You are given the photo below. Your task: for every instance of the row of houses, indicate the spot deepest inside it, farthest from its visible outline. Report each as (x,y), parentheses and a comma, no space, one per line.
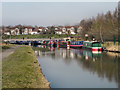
(40,30)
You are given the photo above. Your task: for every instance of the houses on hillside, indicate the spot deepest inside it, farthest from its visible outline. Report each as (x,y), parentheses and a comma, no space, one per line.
(65,30)
(6,31)
(39,30)
(27,30)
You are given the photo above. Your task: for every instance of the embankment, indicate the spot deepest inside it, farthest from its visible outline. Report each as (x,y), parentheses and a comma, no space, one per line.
(108,46)
(21,70)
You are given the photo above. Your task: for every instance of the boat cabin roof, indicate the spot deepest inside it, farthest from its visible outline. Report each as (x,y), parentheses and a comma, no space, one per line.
(92,42)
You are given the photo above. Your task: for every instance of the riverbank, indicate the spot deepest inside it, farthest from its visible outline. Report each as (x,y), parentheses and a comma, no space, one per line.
(110,47)
(4,46)
(21,70)
(8,50)
(37,36)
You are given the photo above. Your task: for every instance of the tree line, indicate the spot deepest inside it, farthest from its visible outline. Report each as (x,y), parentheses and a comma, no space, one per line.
(103,27)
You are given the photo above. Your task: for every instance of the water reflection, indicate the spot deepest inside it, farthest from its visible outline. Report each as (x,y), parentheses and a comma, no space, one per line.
(101,64)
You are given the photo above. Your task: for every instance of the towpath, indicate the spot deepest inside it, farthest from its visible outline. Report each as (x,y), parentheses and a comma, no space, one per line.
(7,52)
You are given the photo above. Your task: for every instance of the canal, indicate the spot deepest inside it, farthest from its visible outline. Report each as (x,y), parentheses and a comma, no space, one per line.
(78,68)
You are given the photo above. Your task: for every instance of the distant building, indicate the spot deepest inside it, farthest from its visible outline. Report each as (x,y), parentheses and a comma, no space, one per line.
(58,31)
(46,29)
(15,31)
(63,29)
(79,29)
(70,30)
(35,31)
(27,30)
(41,29)
(56,28)
(6,31)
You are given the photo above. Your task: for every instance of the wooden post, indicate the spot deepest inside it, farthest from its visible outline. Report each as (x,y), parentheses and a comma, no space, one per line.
(68,45)
(114,40)
(58,45)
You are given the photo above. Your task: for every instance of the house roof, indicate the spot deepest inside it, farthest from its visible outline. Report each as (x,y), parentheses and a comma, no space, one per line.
(41,27)
(36,30)
(68,26)
(29,27)
(58,30)
(61,26)
(6,29)
(13,27)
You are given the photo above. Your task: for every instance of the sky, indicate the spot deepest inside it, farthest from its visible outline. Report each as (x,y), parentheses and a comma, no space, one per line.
(59,0)
(52,13)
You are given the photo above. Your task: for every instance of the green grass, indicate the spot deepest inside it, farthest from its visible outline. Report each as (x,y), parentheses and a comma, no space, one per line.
(21,70)
(5,47)
(36,36)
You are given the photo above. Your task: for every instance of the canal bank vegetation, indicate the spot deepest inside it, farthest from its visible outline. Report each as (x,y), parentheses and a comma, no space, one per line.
(36,36)
(104,27)
(21,70)
(4,46)
(111,46)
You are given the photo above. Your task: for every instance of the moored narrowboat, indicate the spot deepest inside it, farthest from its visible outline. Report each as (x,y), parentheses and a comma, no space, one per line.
(76,44)
(52,43)
(43,42)
(46,42)
(62,44)
(93,45)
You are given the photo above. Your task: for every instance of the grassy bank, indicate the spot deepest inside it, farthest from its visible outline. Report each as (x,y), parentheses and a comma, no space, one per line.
(5,47)
(36,36)
(21,70)
(110,46)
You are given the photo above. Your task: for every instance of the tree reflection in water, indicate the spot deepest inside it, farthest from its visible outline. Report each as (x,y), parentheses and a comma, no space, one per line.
(104,65)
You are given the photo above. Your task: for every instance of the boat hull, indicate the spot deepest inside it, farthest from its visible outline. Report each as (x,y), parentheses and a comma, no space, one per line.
(62,44)
(95,47)
(76,44)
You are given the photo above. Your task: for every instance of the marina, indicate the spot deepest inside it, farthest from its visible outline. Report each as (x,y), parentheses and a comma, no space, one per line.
(62,43)
(66,45)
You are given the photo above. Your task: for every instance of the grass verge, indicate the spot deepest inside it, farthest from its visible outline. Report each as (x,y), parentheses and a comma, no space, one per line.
(110,46)
(4,46)
(21,70)
(37,36)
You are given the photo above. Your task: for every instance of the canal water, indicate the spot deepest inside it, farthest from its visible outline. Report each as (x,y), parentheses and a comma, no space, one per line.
(78,68)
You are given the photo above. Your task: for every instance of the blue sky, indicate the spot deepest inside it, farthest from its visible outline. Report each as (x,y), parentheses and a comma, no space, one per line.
(52,13)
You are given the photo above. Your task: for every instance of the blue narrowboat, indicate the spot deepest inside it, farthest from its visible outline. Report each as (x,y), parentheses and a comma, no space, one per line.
(76,44)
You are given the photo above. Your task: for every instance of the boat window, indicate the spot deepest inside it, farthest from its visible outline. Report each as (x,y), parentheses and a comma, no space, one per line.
(96,45)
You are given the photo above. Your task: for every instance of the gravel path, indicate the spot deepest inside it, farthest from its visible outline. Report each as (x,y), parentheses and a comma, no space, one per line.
(7,52)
